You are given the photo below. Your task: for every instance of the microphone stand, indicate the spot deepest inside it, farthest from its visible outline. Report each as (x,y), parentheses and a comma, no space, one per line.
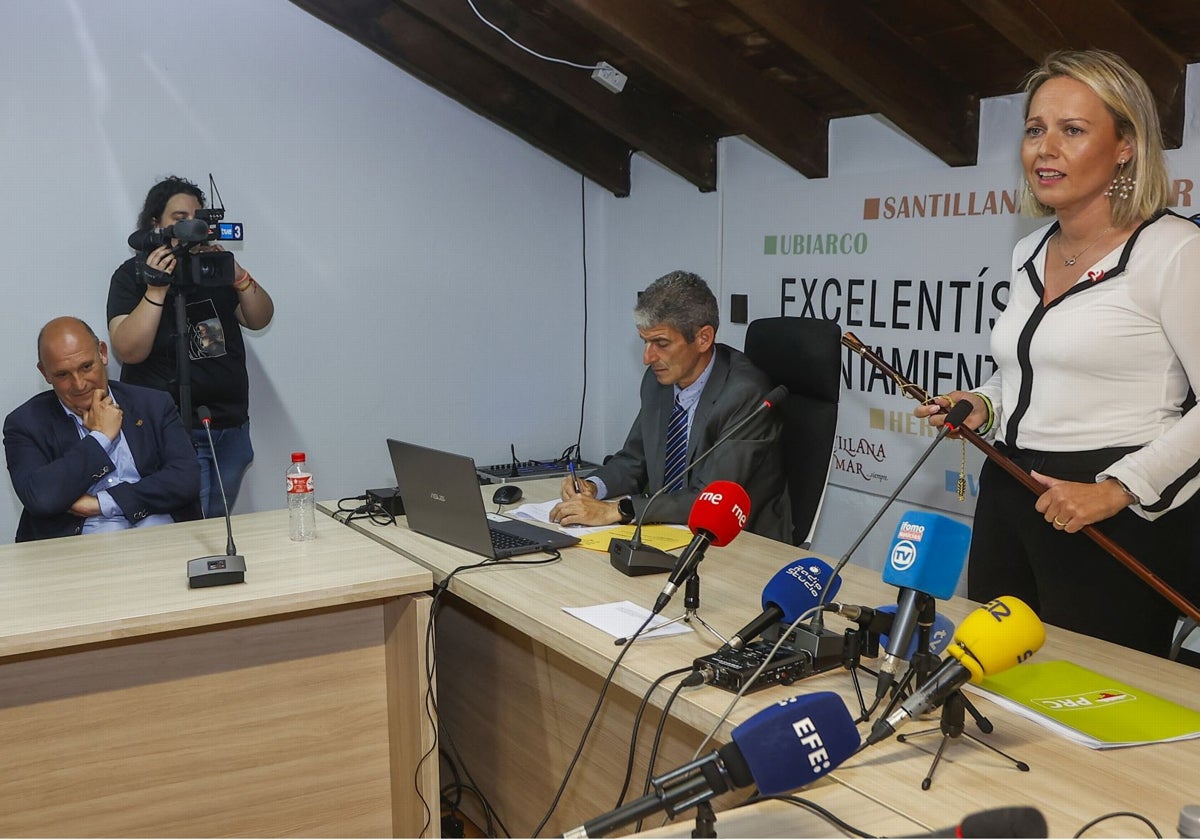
(952,722)
(1101,539)
(951,725)
(217,569)
(691,610)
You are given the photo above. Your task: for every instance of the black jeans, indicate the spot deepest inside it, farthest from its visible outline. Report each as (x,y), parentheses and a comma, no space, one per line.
(1067,579)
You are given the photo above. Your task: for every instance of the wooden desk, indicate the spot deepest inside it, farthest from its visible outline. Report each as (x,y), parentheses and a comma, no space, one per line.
(518,679)
(291,704)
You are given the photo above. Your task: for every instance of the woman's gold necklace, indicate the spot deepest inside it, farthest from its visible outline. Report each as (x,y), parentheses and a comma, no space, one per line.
(1071,260)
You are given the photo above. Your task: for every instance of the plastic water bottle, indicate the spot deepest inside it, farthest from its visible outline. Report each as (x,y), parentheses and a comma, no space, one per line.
(302,504)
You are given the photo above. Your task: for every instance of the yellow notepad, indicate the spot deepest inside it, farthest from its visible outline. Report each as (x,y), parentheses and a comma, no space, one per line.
(664,537)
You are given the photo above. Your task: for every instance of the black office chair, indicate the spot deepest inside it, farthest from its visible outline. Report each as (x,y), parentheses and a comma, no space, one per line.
(803,354)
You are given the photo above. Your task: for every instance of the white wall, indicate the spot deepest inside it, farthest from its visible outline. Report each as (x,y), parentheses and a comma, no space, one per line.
(425,264)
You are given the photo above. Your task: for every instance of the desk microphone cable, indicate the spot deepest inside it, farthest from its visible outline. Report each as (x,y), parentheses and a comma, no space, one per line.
(588,726)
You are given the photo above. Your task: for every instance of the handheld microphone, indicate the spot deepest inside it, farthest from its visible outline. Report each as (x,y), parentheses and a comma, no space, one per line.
(790,593)
(718,515)
(632,558)
(926,560)
(781,748)
(217,569)
(1018,821)
(1000,634)
(954,419)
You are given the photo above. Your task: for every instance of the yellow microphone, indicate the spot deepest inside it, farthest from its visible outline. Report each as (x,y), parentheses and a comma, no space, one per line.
(1002,633)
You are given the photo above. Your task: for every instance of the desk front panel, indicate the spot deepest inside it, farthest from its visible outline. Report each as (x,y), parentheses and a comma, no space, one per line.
(291,704)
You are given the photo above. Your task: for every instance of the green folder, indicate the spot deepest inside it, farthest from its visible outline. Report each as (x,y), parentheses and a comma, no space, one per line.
(1091,708)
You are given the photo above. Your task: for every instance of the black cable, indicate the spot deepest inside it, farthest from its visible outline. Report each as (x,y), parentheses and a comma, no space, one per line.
(658,732)
(583,240)
(372,511)
(439,589)
(588,727)
(637,722)
(1104,817)
(809,805)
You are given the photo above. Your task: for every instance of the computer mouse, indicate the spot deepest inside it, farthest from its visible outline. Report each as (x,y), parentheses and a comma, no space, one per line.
(507,494)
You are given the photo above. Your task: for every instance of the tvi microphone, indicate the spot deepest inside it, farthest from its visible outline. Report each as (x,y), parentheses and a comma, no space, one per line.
(926,560)
(783,747)
(1000,634)
(954,419)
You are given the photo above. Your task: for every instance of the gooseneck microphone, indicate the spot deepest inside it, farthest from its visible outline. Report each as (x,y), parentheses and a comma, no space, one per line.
(794,590)
(954,418)
(217,569)
(718,515)
(779,749)
(926,560)
(1000,634)
(632,558)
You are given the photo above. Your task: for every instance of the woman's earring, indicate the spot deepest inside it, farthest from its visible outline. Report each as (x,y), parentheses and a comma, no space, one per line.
(1122,185)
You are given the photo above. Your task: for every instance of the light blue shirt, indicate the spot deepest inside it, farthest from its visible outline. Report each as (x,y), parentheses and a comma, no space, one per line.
(111,517)
(689,398)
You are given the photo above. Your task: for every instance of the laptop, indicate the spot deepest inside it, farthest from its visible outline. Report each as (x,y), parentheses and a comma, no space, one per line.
(442,500)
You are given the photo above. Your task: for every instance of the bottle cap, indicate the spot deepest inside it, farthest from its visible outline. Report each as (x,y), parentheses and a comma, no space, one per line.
(1189,821)
(298,456)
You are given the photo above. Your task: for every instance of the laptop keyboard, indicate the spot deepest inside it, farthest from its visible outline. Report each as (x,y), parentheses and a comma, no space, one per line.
(503,540)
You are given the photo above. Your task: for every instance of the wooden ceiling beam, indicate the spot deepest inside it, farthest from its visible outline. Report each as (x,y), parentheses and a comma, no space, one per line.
(633,116)
(682,54)
(452,67)
(1037,28)
(855,51)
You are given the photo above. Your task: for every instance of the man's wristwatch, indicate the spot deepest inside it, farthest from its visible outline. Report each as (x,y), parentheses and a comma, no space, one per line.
(625,509)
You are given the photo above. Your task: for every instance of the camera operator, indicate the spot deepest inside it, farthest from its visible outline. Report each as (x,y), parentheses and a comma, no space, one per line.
(141,326)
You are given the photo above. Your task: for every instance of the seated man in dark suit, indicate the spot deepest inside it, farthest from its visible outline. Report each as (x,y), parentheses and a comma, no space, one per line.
(93,455)
(708,387)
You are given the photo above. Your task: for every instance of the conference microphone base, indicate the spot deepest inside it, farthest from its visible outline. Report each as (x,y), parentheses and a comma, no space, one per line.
(216,570)
(636,560)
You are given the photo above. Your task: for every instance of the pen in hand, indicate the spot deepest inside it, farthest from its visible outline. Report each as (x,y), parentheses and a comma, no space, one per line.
(574,477)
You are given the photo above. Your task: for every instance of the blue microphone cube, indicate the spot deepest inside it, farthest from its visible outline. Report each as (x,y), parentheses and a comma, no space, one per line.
(928,554)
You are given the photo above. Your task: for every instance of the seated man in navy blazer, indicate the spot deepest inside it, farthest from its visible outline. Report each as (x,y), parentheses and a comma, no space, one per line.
(93,455)
(693,391)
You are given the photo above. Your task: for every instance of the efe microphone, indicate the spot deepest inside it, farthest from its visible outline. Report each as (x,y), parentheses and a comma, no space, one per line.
(781,748)
(718,515)
(926,560)
(1000,634)
(217,569)
(632,558)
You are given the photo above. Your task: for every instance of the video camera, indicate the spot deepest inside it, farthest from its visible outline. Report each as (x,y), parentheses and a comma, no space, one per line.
(206,268)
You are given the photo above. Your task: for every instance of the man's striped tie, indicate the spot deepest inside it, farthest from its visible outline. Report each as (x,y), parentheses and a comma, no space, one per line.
(677,444)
